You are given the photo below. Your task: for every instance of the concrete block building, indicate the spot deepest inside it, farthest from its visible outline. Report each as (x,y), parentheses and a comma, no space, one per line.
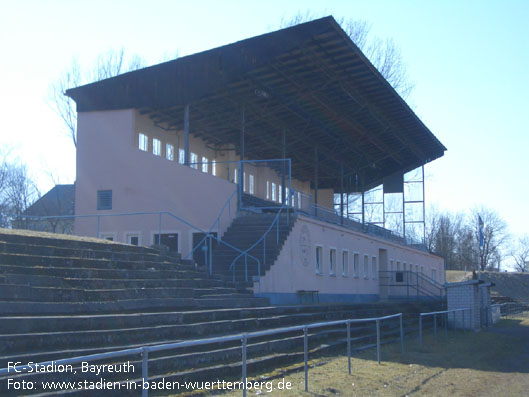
(244,158)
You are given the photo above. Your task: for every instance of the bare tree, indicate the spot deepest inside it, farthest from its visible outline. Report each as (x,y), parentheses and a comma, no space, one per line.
(385,55)
(107,65)
(495,237)
(520,254)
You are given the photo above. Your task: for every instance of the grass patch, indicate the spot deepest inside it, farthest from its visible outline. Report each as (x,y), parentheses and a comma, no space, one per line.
(494,362)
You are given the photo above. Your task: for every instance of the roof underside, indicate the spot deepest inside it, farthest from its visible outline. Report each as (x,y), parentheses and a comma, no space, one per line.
(308,82)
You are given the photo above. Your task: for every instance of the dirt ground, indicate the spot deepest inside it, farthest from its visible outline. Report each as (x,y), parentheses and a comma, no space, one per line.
(494,362)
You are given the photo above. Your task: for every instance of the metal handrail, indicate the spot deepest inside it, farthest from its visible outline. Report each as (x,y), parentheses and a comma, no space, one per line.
(159,213)
(435,314)
(227,204)
(265,234)
(145,350)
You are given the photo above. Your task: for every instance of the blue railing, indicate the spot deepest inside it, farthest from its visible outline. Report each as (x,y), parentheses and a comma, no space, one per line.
(275,222)
(151,213)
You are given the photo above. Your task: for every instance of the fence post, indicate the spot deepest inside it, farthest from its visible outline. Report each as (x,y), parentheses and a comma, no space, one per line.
(401,334)
(378,341)
(306,356)
(144,372)
(420,330)
(435,328)
(246,267)
(244,339)
(211,255)
(160,228)
(349,346)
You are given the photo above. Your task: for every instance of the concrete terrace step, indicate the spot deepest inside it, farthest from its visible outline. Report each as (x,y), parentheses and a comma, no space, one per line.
(51,294)
(145,254)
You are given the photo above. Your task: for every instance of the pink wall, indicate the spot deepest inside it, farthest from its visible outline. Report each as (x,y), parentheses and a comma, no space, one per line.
(108,158)
(295,268)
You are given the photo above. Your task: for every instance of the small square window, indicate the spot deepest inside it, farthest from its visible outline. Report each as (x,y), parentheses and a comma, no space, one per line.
(156,147)
(104,199)
(169,152)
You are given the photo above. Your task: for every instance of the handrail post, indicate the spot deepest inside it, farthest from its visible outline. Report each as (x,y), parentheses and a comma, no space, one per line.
(401,334)
(160,228)
(435,328)
(246,267)
(145,372)
(306,356)
(210,256)
(378,341)
(420,330)
(244,340)
(349,346)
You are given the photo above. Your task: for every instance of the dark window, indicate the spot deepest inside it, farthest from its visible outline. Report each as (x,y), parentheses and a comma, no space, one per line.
(134,240)
(104,199)
(170,240)
(399,277)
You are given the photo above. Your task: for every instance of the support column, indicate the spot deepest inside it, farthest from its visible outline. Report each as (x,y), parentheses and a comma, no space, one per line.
(283,165)
(341,193)
(186,135)
(316,179)
(241,163)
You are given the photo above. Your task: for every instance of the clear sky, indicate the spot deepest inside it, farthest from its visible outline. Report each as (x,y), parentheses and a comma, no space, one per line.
(469,61)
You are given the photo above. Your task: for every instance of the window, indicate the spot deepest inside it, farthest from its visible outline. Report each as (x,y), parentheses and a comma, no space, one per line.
(434,275)
(244,184)
(345,263)
(214,168)
(104,199)
(279,193)
(273,191)
(267,190)
(143,142)
(156,147)
(204,164)
(374,267)
(251,184)
(299,199)
(366,266)
(398,266)
(319,257)
(169,151)
(391,265)
(194,161)
(181,156)
(332,261)
(133,239)
(356,264)
(404,266)
(235,175)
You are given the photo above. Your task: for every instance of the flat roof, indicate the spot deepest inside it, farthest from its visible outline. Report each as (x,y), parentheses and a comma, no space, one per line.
(309,82)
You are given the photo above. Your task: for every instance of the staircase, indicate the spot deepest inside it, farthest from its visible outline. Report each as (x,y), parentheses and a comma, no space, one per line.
(65,298)
(244,232)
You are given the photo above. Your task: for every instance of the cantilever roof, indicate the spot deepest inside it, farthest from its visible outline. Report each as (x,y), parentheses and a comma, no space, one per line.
(309,81)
